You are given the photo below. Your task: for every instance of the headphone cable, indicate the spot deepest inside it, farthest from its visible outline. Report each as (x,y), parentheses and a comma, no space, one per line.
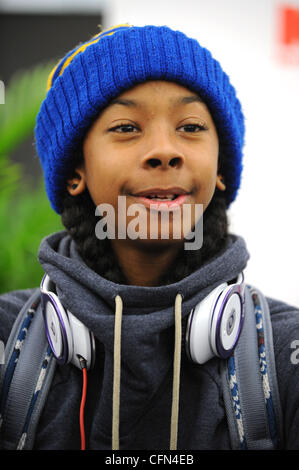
(83,400)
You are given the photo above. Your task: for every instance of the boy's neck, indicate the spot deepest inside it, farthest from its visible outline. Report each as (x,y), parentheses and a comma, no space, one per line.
(141,266)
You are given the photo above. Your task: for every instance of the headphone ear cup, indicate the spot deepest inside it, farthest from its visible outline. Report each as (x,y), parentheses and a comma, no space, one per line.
(68,337)
(199,346)
(227,321)
(57,327)
(215,324)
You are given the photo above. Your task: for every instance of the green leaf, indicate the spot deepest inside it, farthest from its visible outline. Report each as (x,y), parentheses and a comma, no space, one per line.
(26,216)
(23,97)
(25,219)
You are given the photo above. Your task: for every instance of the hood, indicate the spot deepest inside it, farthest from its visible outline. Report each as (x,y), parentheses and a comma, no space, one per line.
(141,326)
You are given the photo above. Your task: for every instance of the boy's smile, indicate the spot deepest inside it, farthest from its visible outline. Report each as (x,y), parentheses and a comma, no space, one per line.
(155,143)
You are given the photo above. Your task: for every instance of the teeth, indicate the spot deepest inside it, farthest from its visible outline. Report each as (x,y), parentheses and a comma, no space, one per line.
(168,197)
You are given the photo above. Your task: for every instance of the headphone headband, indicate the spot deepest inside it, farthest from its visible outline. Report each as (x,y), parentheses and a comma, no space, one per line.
(213,329)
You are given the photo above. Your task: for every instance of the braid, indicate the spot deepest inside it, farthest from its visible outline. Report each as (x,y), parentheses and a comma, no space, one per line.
(78,217)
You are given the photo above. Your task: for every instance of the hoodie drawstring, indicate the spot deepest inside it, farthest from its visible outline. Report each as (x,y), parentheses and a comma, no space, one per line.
(176,372)
(116,372)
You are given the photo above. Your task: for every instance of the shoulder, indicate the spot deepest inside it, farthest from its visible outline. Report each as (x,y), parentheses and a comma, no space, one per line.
(277,307)
(285,323)
(285,326)
(10,305)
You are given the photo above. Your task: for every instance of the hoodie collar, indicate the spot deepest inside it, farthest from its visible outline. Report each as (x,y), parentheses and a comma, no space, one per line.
(61,261)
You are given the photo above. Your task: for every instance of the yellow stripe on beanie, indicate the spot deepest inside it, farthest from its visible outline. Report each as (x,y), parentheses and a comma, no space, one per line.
(82,48)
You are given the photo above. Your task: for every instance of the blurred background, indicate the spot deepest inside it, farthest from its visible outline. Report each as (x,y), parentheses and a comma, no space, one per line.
(257,44)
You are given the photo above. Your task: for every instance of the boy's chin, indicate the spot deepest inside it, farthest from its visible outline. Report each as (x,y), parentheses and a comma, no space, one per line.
(156,245)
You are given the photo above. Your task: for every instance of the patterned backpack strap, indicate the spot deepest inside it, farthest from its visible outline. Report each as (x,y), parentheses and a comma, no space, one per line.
(25,377)
(250,388)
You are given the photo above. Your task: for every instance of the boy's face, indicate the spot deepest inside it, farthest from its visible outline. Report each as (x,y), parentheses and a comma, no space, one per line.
(157,138)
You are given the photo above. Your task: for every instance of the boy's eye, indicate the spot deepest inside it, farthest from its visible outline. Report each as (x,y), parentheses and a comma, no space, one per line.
(129,128)
(123,128)
(193,128)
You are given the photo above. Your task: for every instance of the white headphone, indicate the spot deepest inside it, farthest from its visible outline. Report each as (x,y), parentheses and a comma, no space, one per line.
(213,327)
(215,324)
(68,338)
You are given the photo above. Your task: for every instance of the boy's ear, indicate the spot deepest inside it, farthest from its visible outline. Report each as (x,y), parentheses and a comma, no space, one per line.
(220,183)
(77,184)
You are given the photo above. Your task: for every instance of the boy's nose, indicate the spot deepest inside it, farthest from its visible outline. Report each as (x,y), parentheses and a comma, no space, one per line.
(164,155)
(163,161)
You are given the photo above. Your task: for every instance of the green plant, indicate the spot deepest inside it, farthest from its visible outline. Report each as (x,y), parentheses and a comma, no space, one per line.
(25,213)
(23,96)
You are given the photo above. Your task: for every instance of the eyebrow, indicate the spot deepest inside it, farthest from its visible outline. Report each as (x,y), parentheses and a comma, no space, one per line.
(136,104)
(124,102)
(190,99)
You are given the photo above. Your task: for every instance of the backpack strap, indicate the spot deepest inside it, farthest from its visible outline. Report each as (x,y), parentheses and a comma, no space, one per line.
(25,377)
(250,388)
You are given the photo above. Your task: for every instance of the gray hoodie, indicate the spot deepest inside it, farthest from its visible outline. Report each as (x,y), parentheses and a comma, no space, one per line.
(147,355)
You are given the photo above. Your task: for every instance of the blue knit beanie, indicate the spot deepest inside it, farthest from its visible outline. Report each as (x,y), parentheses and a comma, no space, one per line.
(94,72)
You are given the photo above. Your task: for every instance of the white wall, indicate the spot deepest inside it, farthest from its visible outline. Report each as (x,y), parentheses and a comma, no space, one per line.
(57,6)
(242,35)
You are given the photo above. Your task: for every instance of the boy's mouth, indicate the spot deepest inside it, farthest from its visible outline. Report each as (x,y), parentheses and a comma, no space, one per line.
(159,193)
(171,197)
(159,197)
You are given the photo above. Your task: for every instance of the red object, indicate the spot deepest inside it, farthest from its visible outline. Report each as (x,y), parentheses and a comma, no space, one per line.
(82,407)
(289,22)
